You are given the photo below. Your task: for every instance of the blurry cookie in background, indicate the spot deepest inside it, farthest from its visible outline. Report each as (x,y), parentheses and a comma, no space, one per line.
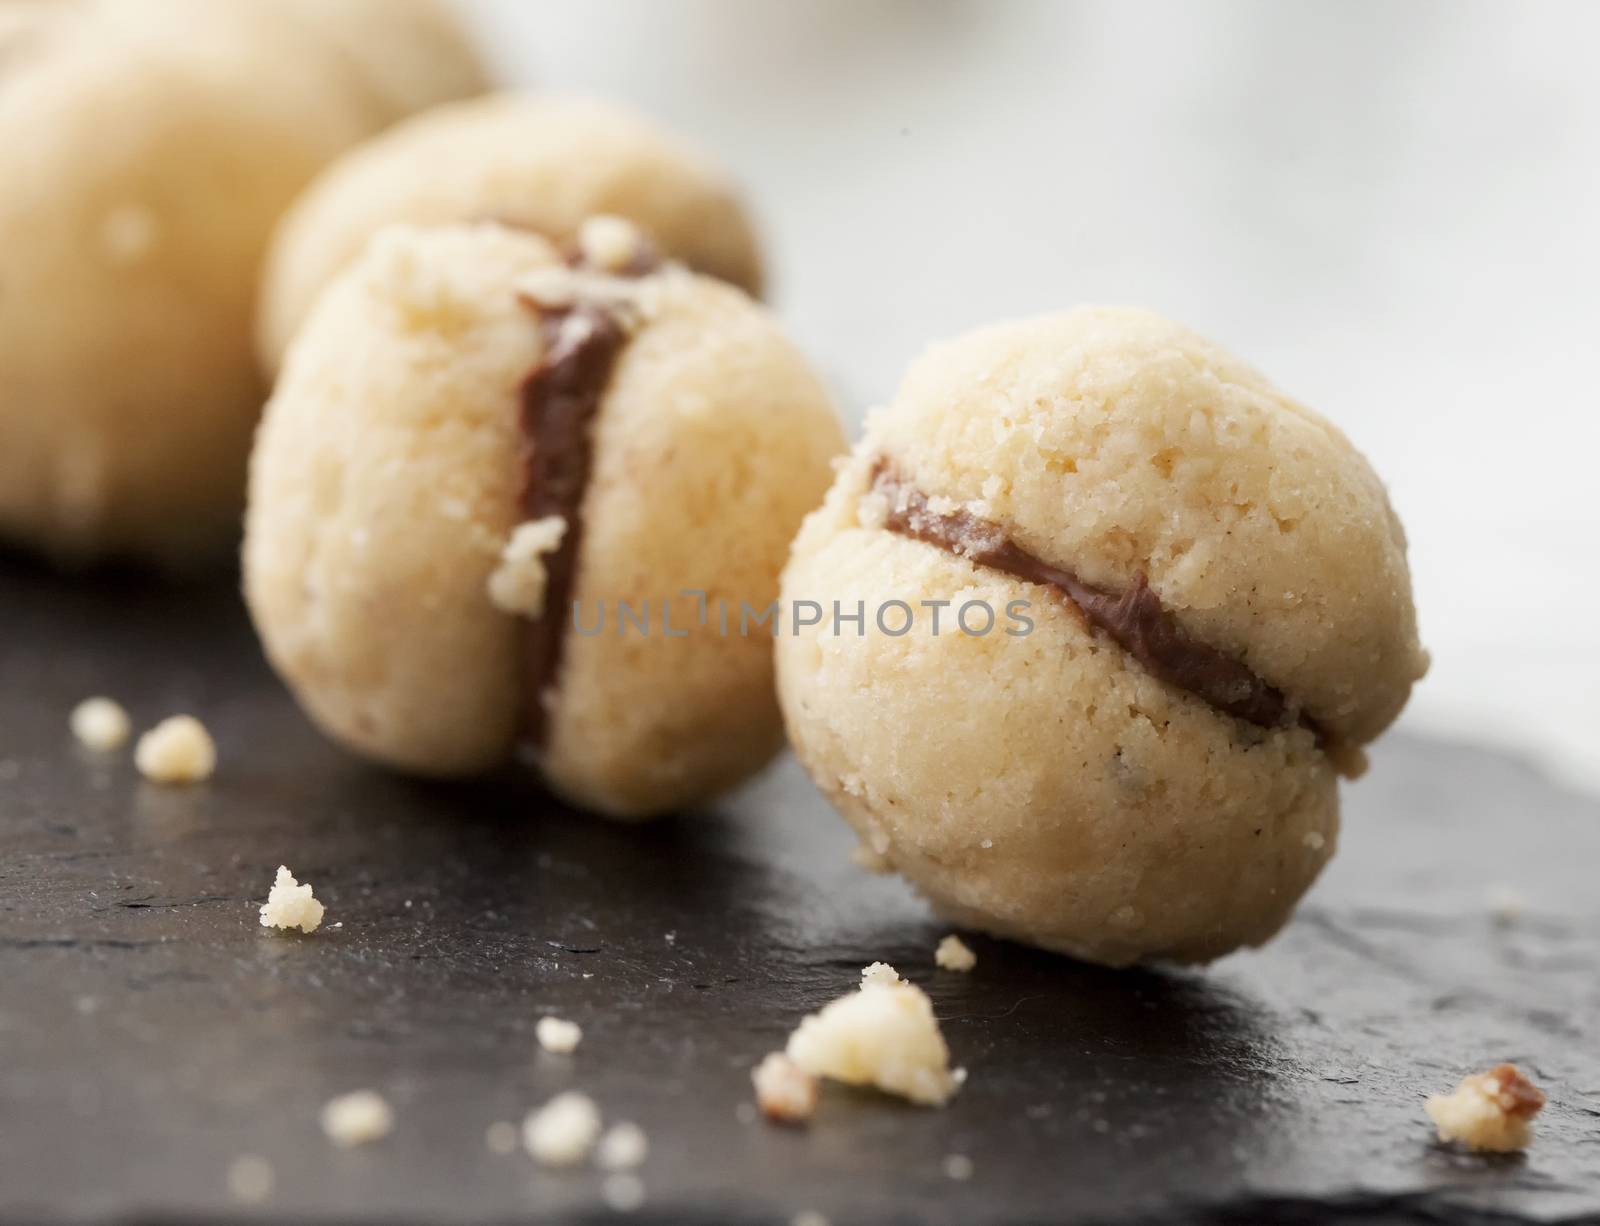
(545,164)
(470,437)
(147,148)
(404,56)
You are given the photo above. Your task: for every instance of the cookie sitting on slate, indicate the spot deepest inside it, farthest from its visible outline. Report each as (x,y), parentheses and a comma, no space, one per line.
(1176,605)
(506,496)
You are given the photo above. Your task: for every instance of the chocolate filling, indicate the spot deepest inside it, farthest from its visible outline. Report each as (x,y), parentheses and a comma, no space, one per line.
(1136,619)
(560,399)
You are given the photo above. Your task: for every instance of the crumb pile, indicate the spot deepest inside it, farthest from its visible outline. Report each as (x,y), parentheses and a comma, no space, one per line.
(291,904)
(884,1035)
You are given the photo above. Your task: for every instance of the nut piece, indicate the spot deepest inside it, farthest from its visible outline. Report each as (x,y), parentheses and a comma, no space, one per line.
(563,1131)
(290,904)
(356,1118)
(1490,1111)
(101,724)
(624,1147)
(784,1091)
(557,1036)
(883,1035)
(954,955)
(177,750)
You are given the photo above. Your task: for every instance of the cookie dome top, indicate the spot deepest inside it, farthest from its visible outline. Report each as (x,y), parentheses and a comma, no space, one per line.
(546,164)
(1116,444)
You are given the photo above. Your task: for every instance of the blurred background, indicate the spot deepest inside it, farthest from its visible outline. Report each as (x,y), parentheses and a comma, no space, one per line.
(1392,209)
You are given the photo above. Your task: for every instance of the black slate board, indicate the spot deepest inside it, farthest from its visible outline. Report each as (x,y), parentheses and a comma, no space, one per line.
(150,1030)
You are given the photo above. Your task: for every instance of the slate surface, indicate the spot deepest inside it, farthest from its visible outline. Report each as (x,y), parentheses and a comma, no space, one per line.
(151,1031)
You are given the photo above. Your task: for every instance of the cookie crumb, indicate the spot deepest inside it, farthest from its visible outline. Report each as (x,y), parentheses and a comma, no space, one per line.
(623,1192)
(290,904)
(557,1036)
(250,1179)
(785,1092)
(357,1118)
(954,955)
(1490,1112)
(624,1147)
(1314,840)
(177,750)
(957,1166)
(517,585)
(501,1137)
(100,724)
(883,1035)
(563,1131)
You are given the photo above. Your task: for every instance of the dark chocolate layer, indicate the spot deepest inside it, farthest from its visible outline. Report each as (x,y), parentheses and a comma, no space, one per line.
(1135,619)
(559,401)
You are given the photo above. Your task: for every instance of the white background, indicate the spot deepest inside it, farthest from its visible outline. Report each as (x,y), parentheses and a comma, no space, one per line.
(1393,208)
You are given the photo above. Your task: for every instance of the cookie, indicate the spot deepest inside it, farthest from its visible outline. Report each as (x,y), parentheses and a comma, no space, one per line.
(143,174)
(1176,606)
(483,474)
(402,56)
(543,163)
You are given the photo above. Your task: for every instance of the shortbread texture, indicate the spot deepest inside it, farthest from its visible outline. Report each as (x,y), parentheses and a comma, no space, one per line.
(1491,1112)
(385,489)
(291,904)
(1044,786)
(545,163)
